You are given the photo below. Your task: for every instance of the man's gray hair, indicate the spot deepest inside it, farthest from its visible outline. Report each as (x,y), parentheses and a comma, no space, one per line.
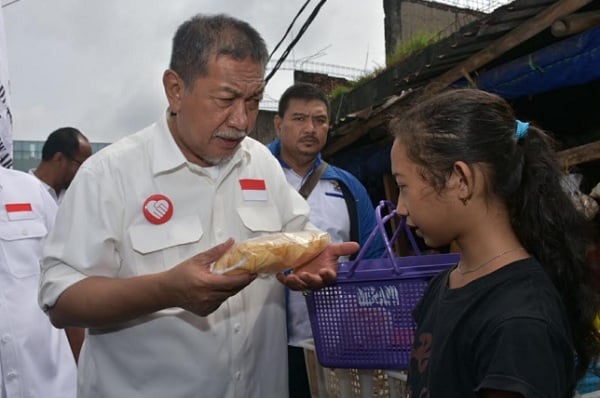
(205,36)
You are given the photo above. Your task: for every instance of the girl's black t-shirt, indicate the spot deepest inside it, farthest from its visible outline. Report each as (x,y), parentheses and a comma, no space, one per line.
(505,331)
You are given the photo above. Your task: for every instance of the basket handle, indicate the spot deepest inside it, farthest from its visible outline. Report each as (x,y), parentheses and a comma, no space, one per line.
(380,229)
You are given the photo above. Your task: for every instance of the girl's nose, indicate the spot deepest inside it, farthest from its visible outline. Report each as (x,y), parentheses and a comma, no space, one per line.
(401,208)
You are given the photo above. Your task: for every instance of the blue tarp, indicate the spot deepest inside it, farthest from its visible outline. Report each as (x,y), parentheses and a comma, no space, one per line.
(570,62)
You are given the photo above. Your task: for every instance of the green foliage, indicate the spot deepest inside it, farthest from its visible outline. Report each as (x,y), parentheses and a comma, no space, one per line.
(416,43)
(338,91)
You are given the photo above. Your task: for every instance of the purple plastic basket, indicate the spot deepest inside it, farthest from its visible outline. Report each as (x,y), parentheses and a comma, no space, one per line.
(364,320)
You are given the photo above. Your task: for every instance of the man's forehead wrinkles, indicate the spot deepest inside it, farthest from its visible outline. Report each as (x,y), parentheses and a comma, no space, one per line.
(239,92)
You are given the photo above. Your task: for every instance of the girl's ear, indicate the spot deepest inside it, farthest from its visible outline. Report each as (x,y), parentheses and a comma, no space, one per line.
(463,180)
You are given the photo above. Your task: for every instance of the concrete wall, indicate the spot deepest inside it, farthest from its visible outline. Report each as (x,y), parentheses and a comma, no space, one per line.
(405,19)
(325,82)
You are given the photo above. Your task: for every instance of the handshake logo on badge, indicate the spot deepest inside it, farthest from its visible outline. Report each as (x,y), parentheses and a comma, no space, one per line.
(158,209)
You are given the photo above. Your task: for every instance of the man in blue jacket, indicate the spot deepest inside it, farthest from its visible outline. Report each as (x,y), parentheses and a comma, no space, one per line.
(339,203)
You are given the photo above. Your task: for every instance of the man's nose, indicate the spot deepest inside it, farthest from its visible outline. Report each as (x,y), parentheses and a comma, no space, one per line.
(238,118)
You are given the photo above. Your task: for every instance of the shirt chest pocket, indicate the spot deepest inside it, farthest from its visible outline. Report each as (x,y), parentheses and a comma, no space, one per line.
(260,220)
(170,242)
(23,240)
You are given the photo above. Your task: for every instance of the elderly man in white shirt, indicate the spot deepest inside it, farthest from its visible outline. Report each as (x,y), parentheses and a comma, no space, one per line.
(35,357)
(147,216)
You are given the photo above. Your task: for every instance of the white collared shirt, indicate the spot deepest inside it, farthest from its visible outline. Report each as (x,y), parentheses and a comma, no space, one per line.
(35,358)
(329,213)
(57,198)
(237,351)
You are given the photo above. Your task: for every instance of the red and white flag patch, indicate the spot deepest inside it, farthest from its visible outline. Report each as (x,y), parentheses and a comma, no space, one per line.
(253,189)
(19,211)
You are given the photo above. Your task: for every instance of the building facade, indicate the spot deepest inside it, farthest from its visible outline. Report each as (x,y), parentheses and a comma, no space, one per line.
(27,154)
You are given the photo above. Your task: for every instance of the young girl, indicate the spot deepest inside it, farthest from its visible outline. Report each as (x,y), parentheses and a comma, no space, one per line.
(514,318)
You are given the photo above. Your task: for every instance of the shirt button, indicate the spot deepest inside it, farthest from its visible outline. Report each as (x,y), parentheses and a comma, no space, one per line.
(24,232)
(236,328)
(238,375)
(11,376)
(5,338)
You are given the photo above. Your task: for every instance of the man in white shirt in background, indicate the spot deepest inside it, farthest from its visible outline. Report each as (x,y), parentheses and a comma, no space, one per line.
(35,358)
(339,203)
(63,152)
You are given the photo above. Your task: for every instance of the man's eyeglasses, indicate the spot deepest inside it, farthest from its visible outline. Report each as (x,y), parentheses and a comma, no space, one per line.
(76,161)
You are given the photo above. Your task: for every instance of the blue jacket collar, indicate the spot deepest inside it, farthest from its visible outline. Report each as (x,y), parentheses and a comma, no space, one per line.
(275,148)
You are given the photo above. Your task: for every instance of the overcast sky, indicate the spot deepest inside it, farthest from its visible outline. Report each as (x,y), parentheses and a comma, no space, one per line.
(97,64)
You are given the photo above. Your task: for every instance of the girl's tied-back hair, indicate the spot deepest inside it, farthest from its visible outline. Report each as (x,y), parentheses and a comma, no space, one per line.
(522,170)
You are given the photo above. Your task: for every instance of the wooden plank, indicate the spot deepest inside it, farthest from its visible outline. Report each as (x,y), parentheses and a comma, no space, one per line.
(497,28)
(576,23)
(580,154)
(512,14)
(352,131)
(520,5)
(527,30)
(357,130)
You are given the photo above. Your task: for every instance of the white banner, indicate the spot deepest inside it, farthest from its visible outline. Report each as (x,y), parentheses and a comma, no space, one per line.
(6,142)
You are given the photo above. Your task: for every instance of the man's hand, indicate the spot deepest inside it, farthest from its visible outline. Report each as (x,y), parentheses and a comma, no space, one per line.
(200,291)
(102,302)
(320,271)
